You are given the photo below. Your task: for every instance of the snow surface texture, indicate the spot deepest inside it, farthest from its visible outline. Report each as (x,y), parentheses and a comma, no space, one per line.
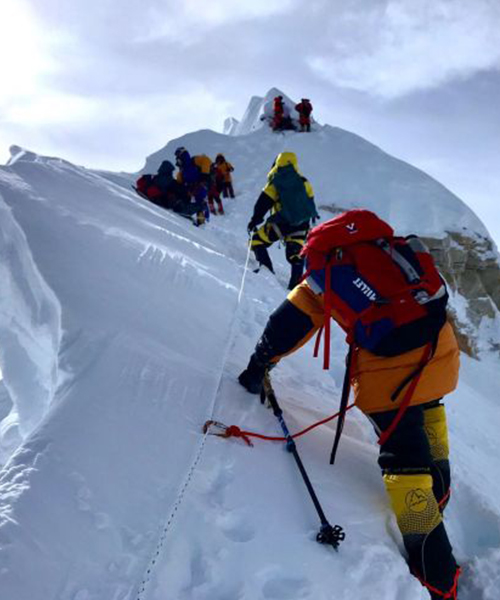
(116,494)
(29,333)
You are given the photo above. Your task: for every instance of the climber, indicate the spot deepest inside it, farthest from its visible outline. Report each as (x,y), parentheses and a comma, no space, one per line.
(290,199)
(388,297)
(223,178)
(304,108)
(214,192)
(195,181)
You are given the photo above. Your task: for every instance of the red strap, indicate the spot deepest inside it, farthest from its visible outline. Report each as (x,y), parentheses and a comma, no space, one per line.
(328,315)
(451,594)
(235,431)
(385,435)
(317,342)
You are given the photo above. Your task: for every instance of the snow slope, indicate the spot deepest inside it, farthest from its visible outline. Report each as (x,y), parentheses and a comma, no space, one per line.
(135,339)
(346,172)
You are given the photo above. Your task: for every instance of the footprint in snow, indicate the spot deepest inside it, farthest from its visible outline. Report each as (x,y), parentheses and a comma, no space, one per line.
(476,537)
(236,527)
(479,524)
(292,588)
(216,484)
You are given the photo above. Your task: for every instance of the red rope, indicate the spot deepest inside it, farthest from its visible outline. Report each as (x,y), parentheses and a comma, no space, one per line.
(451,594)
(235,431)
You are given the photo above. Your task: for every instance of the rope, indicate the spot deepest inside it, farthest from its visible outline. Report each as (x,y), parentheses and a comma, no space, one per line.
(245,269)
(180,497)
(234,431)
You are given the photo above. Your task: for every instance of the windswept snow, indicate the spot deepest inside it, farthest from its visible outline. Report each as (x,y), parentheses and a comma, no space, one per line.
(29,334)
(116,494)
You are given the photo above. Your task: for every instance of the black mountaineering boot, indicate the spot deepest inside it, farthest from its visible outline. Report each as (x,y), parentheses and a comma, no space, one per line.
(251,378)
(263,258)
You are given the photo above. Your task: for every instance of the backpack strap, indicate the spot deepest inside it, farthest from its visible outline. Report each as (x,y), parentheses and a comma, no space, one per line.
(328,314)
(346,388)
(409,271)
(413,380)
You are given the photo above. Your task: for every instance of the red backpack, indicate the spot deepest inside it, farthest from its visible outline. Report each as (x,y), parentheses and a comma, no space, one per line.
(147,188)
(386,289)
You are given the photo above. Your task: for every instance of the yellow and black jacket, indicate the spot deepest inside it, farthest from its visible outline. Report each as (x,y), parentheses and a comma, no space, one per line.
(269,199)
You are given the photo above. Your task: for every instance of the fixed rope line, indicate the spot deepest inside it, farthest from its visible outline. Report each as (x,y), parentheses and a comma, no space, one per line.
(245,269)
(180,497)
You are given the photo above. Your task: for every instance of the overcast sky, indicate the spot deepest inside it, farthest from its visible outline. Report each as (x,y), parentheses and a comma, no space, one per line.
(104,83)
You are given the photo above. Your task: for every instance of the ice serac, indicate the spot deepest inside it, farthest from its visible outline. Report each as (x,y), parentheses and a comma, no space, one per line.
(230,125)
(259,111)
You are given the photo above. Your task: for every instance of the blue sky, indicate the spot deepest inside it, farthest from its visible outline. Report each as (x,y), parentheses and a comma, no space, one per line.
(104,83)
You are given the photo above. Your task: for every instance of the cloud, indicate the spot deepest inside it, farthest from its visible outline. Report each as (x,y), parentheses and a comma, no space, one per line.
(394,47)
(185,22)
(113,132)
(24,56)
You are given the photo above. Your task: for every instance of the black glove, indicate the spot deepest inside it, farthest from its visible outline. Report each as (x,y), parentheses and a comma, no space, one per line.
(252,224)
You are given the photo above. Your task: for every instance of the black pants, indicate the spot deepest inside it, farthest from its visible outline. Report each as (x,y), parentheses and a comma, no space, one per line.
(294,238)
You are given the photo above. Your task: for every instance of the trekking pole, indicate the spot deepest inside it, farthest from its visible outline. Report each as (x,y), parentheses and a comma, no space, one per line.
(327,534)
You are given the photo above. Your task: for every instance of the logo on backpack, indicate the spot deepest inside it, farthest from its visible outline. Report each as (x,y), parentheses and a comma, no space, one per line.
(365,288)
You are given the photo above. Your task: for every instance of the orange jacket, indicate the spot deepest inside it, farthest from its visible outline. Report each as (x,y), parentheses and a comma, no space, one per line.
(224,170)
(375,378)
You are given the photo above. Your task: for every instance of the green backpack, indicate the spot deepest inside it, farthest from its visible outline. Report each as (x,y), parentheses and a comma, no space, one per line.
(296,206)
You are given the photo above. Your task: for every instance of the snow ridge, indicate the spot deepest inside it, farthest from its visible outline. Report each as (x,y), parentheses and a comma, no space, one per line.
(30,330)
